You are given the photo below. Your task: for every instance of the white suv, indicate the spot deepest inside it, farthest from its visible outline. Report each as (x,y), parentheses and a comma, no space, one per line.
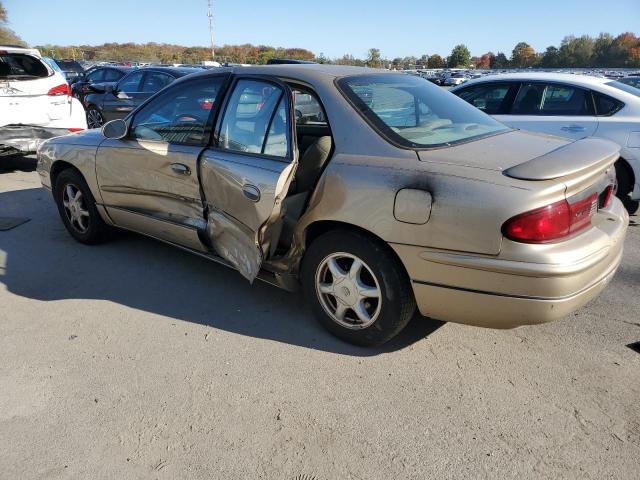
(35,102)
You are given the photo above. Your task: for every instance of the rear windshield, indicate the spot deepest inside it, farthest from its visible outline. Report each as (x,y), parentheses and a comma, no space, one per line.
(21,66)
(414,113)
(624,87)
(70,66)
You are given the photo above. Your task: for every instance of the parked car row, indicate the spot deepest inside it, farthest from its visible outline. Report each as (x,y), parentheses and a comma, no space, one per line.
(395,196)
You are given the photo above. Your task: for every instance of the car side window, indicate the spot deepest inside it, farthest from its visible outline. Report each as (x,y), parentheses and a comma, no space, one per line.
(528,100)
(605,105)
(181,115)
(490,98)
(131,83)
(96,76)
(308,109)
(155,81)
(256,120)
(111,75)
(552,100)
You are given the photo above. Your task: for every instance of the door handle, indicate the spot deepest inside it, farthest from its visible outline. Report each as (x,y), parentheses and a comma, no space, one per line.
(180,169)
(251,192)
(572,128)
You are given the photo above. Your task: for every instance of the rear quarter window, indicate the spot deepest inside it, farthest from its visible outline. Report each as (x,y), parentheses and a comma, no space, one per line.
(606,105)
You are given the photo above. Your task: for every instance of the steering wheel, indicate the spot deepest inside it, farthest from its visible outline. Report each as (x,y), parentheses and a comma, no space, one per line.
(188,117)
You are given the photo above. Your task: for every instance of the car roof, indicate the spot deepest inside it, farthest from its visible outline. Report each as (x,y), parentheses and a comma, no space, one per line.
(310,73)
(575,79)
(173,71)
(18,49)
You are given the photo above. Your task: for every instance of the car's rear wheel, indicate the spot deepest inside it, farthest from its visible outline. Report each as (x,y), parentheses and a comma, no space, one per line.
(94,117)
(77,208)
(625,187)
(357,289)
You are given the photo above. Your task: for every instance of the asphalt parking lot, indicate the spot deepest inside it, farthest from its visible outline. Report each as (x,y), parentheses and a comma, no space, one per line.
(136,360)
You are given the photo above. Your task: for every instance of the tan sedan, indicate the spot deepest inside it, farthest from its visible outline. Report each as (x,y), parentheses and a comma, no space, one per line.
(391,195)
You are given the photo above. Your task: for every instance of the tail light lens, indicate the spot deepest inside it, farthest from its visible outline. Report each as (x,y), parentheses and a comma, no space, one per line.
(60,90)
(552,222)
(75,130)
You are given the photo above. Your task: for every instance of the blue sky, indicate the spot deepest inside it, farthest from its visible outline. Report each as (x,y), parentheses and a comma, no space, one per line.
(334,27)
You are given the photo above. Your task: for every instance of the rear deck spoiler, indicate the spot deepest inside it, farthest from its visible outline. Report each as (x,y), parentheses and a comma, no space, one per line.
(585,154)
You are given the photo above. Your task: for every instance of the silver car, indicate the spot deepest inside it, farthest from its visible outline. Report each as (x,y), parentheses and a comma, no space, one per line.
(398,196)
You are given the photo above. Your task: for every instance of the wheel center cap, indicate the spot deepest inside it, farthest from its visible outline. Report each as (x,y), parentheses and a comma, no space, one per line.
(346,293)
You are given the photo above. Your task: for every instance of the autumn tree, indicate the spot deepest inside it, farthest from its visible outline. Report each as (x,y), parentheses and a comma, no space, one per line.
(460,57)
(7,36)
(436,61)
(523,55)
(486,61)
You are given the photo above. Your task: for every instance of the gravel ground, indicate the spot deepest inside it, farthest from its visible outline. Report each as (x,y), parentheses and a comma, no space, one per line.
(136,360)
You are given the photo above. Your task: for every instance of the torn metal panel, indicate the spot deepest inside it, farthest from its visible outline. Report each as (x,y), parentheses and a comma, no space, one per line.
(27,138)
(242,229)
(234,243)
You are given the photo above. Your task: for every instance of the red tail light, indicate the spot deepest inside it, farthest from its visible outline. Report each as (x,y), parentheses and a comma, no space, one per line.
(552,222)
(74,130)
(60,90)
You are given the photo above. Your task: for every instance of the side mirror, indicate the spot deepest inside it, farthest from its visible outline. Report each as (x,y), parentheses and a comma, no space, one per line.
(122,96)
(100,88)
(115,129)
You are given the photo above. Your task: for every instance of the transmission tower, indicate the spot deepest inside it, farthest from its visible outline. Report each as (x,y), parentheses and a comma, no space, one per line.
(210,15)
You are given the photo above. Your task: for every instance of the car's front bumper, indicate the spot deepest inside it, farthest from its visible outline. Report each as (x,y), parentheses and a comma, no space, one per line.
(504,293)
(26,138)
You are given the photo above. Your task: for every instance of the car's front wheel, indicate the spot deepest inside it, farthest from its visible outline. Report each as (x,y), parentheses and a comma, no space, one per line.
(94,117)
(358,290)
(77,208)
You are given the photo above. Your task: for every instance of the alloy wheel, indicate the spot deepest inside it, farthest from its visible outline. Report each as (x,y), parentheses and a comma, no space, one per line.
(75,208)
(348,290)
(94,118)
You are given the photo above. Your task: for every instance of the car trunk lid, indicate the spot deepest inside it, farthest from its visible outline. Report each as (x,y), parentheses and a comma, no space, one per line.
(572,159)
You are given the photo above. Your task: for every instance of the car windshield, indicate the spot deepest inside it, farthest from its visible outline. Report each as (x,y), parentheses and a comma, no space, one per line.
(21,66)
(414,113)
(624,87)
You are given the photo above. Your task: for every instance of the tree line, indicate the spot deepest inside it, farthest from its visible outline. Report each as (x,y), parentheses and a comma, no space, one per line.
(604,51)
(622,51)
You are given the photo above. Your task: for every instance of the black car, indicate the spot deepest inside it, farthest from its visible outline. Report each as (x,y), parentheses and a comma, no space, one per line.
(97,75)
(72,70)
(115,100)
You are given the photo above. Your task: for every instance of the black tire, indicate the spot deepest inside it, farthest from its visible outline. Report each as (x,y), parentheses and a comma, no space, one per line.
(94,117)
(96,230)
(625,187)
(397,301)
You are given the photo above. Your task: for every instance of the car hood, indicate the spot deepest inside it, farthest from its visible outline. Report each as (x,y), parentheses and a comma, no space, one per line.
(498,152)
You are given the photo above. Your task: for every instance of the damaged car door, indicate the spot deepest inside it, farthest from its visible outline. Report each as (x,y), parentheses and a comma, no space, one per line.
(246,174)
(148,179)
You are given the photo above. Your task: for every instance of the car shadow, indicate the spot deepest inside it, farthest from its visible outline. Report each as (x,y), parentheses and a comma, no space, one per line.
(44,263)
(21,163)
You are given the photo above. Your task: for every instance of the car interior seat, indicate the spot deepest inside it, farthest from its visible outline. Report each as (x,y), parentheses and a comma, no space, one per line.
(310,167)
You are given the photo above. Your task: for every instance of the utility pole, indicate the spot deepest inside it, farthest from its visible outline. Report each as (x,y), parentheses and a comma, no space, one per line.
(210,15)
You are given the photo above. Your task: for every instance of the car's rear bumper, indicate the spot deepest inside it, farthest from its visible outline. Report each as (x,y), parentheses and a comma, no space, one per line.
(498,293)
(26,138)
